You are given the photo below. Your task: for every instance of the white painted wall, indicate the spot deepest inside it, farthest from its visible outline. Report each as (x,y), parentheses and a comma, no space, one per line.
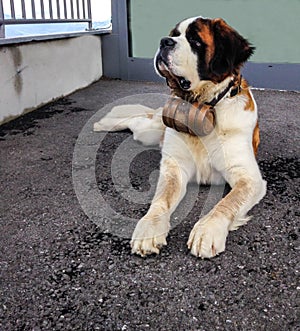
(35,73)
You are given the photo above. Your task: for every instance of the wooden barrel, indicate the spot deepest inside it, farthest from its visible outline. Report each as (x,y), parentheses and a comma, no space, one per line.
(195,119)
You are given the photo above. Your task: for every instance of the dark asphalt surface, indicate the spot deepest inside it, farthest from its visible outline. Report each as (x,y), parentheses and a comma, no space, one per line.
(60,271)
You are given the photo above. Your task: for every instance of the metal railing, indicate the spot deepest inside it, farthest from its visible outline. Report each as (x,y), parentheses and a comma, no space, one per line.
(44,11)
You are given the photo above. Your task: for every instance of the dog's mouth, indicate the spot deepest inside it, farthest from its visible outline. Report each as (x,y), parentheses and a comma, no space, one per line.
(174,81)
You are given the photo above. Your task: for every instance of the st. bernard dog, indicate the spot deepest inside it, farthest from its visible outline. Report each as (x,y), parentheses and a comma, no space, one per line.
(201,61)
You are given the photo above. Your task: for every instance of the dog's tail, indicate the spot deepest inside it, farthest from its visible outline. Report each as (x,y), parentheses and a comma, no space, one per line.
(145,123)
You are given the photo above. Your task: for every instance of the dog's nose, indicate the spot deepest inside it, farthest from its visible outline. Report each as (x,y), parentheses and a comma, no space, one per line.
(167,42)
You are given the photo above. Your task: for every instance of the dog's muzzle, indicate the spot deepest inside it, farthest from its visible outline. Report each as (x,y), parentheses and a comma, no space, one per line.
(162,64)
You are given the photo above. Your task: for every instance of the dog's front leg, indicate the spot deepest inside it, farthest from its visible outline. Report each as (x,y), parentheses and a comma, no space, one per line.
(151,231)
(209,234)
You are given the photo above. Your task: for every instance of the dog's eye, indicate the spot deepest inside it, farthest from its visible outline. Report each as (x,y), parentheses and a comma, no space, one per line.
(195,43)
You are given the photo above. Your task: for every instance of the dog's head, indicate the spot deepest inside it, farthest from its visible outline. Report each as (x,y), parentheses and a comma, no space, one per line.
(201,49)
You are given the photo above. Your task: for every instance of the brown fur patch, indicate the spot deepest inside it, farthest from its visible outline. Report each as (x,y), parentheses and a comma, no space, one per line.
(168,188)
(255,139)
(224,26)
(239,195)
(207,37)
(250,105)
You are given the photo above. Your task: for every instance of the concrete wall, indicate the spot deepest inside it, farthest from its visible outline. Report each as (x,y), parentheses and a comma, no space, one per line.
(35,73)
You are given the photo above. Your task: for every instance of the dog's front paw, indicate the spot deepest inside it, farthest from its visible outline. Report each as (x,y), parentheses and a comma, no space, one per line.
(208,236)
(149,236)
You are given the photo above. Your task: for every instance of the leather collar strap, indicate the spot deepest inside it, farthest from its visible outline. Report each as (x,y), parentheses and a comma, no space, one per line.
(233,92)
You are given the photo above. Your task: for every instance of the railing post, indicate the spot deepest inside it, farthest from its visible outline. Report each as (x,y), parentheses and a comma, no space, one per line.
(2,25)
(89,8)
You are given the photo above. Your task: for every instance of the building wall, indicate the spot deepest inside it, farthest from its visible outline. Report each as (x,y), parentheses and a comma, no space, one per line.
(35,73)
(271,25)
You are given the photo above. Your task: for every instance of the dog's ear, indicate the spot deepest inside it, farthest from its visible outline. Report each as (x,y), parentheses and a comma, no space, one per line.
(231,49)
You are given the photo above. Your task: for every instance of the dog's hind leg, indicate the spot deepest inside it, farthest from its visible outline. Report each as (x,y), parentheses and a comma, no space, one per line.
(145,123)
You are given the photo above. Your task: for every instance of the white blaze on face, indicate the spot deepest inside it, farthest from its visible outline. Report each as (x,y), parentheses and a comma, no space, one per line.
(182,61)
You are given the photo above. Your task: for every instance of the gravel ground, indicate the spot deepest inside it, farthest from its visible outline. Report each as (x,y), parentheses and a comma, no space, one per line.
(61,271)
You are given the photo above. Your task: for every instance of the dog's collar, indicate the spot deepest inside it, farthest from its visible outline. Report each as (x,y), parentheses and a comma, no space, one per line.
(233,91)
(234,87)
